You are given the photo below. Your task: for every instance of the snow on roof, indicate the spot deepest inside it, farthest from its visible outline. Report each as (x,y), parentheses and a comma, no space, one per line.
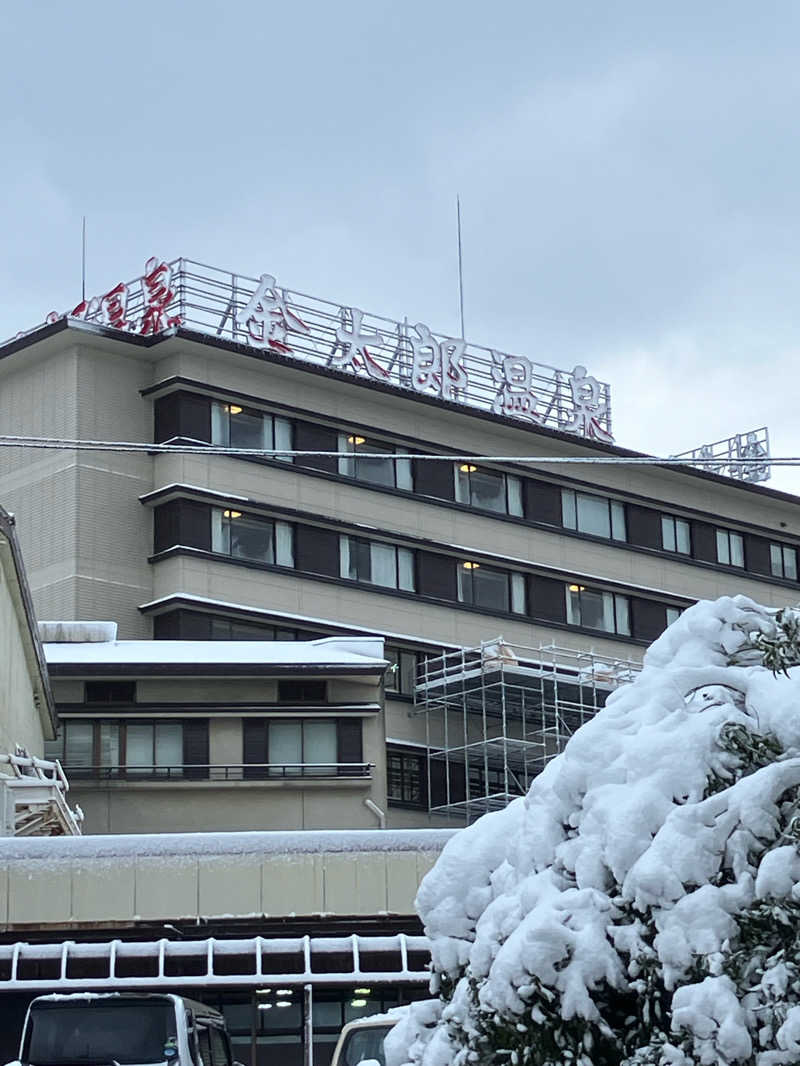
(329,652)
(299,842)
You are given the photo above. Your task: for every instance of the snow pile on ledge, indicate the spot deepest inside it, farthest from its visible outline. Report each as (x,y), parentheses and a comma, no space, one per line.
(639,905)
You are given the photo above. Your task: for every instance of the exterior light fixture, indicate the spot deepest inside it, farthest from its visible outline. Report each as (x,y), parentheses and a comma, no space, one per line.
(467,468)
(361,991)
(283,992)
(265,1006)
(264,992)
(234,409)
(231,514)
(577,588)
(352,439)
(471,566)
(284,1003)
(358,1003)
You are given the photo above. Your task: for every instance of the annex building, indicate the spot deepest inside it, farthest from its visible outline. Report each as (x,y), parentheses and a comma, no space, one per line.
(269,466)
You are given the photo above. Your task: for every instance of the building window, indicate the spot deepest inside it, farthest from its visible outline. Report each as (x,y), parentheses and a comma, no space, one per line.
(115,748)
(363,464)
(376,563)
(730,548)
(488,490)
(233,629)
(783,561)
(302,747)
(593,609)
(675,535)
(110,691)
(245,536)
(302,691)
(404,779)
(234,426)
(595,515)
(485,586)
(401,677)
(673,614)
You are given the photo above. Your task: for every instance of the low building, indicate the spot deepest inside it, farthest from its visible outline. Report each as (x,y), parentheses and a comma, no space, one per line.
(186,736)
(273,928)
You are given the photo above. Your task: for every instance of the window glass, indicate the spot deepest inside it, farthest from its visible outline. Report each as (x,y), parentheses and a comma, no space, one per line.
(363,463)
(285,747)
(404,778)
(250,538)
(402,673)
(139,746)
(376,563)
(169,746)
(383,564)
(319,745)
(518,597)
(79,744)
(593,515)
(405,569)
(783,561)
(618,528)
(730,548)
(682,538)
(283,438)
(673,614)
(668,533)
(514,487)
(109,743)
(246,428)
(569,512)
(596,609)
(481,488)
(483,586)
(219,1048)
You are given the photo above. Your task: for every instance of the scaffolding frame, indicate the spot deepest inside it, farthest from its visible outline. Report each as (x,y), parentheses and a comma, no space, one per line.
(497,713)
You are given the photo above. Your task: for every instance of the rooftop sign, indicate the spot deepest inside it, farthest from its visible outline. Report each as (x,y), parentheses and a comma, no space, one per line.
(727,455)
(408,356)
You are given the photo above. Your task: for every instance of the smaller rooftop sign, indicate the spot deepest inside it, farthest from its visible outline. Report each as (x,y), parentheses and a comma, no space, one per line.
(403,355)
(725,456)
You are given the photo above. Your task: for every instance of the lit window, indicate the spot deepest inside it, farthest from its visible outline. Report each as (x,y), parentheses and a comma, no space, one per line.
(594,609)
(245,536)
(730,548)
(488,490)
(783,561)
(363,462)
(675,535)
(595,515)
(234,426)
(376,563)
(483,586)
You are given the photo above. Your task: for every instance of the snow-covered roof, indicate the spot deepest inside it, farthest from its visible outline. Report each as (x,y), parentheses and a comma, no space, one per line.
(339,654)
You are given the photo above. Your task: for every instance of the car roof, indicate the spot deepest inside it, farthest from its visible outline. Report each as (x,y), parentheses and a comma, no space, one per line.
(200,1010)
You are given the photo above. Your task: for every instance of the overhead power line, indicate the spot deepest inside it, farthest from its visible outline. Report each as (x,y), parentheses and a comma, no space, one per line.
(65,444)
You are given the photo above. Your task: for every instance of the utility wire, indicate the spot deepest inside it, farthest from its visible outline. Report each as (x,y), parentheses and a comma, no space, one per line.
(65,444)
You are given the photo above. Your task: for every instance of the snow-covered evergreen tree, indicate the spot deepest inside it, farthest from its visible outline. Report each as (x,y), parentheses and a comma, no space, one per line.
(641,905)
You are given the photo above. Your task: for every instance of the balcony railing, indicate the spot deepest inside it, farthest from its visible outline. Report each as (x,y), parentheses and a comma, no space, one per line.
(222,772)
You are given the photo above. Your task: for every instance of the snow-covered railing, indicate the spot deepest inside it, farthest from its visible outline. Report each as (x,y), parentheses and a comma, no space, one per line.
(33,798)
(246,963)
(224,771)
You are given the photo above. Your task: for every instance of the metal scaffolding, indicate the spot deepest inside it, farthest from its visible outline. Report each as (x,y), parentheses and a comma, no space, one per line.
(497,713)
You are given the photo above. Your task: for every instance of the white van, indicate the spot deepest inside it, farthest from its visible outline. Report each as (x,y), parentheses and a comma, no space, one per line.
(123,1029)
(363,1040)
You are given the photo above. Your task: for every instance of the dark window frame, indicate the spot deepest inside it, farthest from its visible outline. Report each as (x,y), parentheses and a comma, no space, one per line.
(463,474)
(673,520)
(778,546)
(610,501)
(728,535)
(617,597)
(406,778)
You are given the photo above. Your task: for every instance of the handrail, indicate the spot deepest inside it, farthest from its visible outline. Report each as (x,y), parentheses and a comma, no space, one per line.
(223,771)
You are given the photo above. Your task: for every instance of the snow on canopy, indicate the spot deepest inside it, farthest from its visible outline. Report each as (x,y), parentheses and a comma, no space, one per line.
(641,904)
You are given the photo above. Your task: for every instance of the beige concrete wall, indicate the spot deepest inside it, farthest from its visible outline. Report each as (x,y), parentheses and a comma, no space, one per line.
(150,807)
(20,719)
(133,886)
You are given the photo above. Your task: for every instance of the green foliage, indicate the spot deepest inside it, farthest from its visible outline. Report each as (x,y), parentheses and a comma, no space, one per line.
(780,648)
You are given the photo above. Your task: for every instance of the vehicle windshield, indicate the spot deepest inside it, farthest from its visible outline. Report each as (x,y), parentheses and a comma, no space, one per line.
(99,1033)
(366,1042)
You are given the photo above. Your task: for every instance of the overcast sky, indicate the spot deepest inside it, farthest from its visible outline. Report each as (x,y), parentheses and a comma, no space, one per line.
(627,174)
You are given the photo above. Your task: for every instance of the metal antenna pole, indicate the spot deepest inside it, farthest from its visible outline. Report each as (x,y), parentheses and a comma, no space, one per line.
(460,267)
(83,260)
